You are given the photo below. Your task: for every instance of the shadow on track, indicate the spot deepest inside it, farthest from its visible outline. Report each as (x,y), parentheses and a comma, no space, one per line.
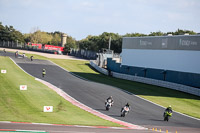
(101,109)
(115,116)
(136,87)
(155,120)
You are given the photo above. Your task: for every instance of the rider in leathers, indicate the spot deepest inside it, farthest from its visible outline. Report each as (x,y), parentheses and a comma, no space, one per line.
(127,105)
(169,109)
(110,98)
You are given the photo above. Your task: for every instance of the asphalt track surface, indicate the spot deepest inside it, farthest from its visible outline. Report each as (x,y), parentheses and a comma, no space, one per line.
(65,129)
(94,94)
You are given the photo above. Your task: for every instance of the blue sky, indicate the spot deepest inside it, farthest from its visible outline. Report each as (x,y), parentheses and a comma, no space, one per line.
(80,18)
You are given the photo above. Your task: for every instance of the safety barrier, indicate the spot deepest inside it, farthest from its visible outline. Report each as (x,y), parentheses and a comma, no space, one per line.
(170,85)
(101,70)
(86,54)
(161,83)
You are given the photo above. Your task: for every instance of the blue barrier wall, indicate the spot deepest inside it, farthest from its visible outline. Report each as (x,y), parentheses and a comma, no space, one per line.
(189,79)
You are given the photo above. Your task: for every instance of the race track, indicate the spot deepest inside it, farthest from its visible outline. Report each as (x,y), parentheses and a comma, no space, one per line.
(94,94)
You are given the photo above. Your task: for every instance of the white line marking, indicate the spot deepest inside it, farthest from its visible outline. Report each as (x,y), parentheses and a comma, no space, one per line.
(19,130)
(42,124)
(5,122)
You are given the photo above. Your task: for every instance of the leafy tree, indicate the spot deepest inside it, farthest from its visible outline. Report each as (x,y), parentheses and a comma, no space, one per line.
(182,32)
(4,33)
(43,38)
(71,43)
(56,39)
(88,43)
(35,37)
(8,33)
(134,35)
(159,33)
(96,43)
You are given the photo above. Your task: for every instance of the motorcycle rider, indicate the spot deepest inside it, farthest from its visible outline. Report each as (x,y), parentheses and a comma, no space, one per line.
(125,110)
(126,106)
(31,58)
(169,109)
(110,99)
(167,113)
(43,72)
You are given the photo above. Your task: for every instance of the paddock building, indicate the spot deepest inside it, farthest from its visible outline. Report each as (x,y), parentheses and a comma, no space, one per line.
(170,58)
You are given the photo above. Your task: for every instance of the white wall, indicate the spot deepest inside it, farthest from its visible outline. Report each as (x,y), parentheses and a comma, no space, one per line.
(101,70)
(177,60)
(174,86)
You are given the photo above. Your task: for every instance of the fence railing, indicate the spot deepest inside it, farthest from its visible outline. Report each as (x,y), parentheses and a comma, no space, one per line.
(11,44)
(24,46)
(83,54)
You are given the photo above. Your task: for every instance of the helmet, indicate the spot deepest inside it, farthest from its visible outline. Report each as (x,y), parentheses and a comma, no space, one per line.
(127,104)
(169,106)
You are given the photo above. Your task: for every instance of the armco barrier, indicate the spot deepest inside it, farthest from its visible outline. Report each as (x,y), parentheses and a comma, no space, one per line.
(101,70)
(170,85)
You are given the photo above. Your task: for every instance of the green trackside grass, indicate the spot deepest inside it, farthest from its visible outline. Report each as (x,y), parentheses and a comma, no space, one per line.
(181,102)
(27,106)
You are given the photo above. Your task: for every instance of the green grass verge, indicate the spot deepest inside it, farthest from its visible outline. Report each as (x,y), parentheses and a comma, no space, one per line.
(181,102)
(27,106)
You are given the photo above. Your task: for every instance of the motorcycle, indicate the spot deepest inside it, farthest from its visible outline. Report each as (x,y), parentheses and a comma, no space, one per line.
(166,115)
(108,104)
(124,111)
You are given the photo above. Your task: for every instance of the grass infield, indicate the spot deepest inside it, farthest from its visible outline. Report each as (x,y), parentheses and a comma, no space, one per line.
(27,106)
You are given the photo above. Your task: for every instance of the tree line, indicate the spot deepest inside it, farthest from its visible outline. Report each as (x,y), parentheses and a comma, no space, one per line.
(8,33)
(92,43)
(96,43)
